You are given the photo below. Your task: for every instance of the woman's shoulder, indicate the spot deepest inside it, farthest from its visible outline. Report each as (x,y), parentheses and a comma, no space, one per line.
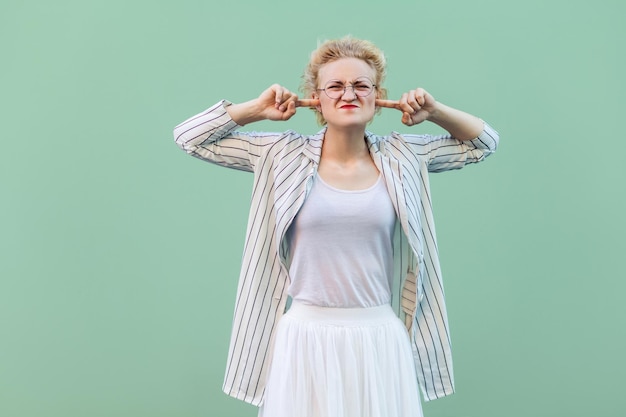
(392,139)
(414,140)
(287,141)
(406,148)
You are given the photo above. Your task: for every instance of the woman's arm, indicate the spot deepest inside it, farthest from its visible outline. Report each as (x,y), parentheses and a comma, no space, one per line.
(418,105)
(275,103)
(461,125)
(470,139)
(211,135)
(444,152)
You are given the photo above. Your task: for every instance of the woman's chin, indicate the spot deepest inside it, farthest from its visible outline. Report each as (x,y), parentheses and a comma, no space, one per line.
(350,122)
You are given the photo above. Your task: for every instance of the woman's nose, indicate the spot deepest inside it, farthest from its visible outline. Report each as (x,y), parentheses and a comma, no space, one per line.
(350,89)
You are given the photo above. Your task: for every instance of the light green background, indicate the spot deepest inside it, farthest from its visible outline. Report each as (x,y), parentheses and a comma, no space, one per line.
(119,254)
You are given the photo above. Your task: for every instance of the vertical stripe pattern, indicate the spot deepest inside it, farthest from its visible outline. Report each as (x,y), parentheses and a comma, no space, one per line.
(283,165)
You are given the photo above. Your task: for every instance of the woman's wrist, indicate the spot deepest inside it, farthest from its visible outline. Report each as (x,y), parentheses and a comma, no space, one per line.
(437,114)
(247,112)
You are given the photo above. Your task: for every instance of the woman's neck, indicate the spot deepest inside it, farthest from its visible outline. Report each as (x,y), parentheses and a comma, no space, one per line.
(344,145)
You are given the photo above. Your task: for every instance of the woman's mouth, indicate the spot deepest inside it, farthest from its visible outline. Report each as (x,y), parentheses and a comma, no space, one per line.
(349,106)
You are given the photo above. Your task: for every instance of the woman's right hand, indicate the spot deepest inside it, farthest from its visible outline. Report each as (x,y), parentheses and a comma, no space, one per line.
(275,103)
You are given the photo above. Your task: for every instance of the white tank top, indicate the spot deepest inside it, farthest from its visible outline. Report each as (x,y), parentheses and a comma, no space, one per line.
(340,245)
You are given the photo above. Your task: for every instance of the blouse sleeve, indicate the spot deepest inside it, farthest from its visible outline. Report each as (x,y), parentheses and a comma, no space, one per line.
(444,152)
(212,137)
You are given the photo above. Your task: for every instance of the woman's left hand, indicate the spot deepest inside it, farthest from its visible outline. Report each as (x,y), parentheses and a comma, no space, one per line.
(415,105)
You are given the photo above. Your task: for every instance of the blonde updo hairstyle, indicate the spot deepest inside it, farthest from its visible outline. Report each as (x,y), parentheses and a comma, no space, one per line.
(346,47)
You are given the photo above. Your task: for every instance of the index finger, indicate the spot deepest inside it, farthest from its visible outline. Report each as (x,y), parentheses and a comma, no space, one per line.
(391,104)
(308,102)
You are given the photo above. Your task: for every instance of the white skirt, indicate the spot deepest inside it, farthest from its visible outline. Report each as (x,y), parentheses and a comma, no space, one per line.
(341,362)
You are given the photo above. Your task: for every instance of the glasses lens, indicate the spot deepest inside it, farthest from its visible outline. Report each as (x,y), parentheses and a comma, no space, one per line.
(361,88)
(334,89)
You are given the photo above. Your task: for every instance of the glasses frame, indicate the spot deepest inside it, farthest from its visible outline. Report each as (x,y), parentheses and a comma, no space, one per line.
(346,86)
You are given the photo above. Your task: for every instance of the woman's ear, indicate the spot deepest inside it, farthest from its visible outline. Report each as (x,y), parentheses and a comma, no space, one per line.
(316,96)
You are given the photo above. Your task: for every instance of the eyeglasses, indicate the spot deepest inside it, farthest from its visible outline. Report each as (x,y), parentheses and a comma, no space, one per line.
(361,87)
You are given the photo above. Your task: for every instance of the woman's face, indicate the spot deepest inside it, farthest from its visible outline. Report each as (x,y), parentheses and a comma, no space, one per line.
(345,107)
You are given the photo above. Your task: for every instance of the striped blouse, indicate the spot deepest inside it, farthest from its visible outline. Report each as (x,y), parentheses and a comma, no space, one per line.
(284,165)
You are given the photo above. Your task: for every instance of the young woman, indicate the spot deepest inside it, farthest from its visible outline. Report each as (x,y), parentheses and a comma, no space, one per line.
(341,225)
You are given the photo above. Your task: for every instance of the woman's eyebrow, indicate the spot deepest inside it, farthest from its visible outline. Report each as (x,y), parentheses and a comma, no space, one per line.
(357,79)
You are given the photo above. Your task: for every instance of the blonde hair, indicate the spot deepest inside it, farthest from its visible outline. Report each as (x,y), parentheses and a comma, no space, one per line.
(346,47)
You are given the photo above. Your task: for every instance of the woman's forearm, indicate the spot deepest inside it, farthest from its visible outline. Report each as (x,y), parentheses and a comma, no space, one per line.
(245,113)
(461,125)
